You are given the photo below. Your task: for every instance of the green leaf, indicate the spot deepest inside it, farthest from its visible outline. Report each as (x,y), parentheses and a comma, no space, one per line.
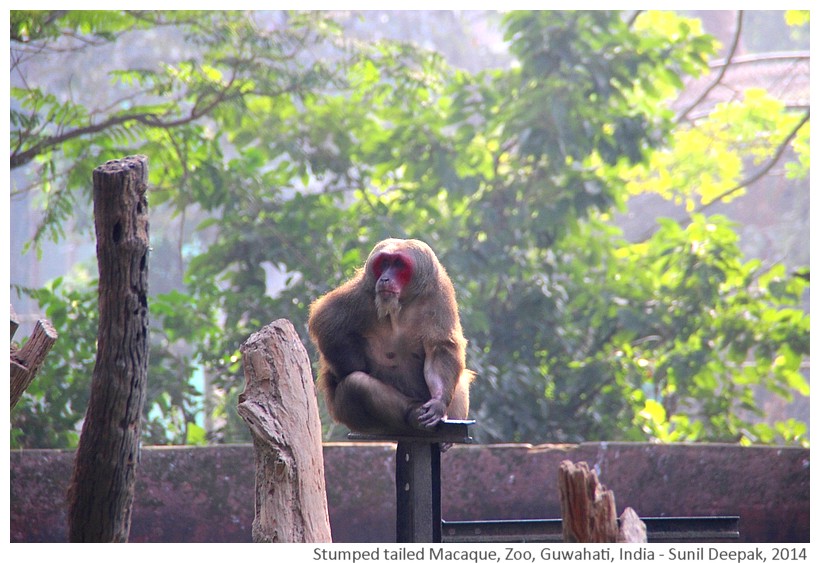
(195,435)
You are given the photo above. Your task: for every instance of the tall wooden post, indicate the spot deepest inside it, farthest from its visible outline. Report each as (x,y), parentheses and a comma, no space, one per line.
(102,485)
(279,405)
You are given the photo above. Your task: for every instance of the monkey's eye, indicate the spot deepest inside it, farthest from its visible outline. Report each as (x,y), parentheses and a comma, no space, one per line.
(399,265)
(385,262)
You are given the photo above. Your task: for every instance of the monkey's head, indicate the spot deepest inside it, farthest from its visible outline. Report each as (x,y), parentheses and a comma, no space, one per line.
(397,270)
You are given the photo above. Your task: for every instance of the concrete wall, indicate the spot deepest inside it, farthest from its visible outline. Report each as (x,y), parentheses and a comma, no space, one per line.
(189,494)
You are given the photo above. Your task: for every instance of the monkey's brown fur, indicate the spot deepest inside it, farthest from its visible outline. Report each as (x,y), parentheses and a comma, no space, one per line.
(392,353)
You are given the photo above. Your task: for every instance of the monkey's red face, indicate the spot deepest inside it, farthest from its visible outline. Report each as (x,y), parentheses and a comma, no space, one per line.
(393,271)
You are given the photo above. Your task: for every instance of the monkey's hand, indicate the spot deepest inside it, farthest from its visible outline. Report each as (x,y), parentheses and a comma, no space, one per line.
(430,413)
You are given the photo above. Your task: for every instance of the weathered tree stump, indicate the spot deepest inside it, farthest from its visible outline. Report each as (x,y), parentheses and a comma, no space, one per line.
(588,509)
(102,485)
(633,530)
(26,362)
(279,405)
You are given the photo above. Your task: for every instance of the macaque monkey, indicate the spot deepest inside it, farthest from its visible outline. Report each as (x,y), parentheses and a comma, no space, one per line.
(391,350)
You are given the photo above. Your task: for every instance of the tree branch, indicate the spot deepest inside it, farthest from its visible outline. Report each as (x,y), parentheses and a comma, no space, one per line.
(748,181)
(721,72)
(18,159)
(763,57)
(762,171)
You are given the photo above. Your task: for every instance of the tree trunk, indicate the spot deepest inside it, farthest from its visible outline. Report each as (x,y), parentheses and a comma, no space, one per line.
(587,507)
(279,405)
(27,361)
(102,485)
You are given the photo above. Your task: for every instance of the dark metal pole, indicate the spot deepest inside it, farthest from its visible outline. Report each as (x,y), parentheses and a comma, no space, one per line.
(418,477)
(418,492)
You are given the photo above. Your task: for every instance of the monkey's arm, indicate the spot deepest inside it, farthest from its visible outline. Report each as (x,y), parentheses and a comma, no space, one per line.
(335,329)
(442,368)
(344,353)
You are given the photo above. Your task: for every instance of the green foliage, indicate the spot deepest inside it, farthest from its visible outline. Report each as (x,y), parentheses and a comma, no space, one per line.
(34,25)
(798,17)
(704,162)
(50,413)
(665,337)
(173,402)
(294,150)
(688,334)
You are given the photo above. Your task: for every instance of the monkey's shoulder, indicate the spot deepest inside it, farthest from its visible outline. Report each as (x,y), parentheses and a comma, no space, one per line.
(342,308)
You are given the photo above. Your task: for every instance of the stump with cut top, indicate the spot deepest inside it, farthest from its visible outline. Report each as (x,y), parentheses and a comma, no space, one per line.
(588,509)
(279,405)
(26,361)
